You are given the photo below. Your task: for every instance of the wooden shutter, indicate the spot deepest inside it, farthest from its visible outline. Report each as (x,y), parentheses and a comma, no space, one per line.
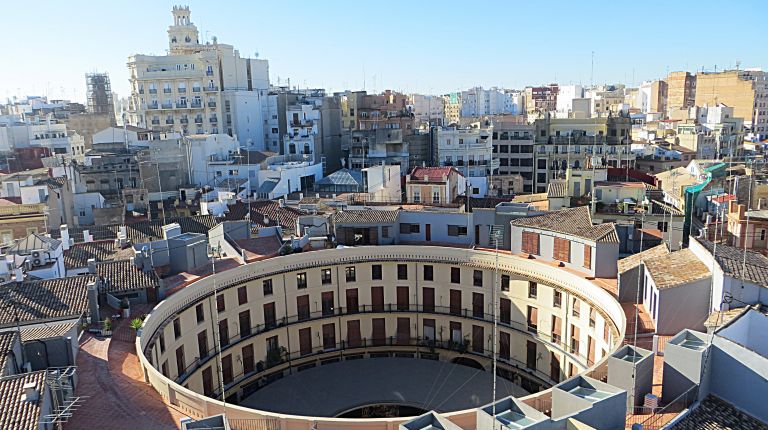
(504,345)
(505,311)
(269,314)
(352,302)
(533,318)
(353,334)
(428,299)
(554,367)
(248,361)
(208,381)
(402,298)
(377,299)
(478,341)
(302,306)
(305,341)
(456,302)
(590,350)
(403,330)
(478,306)
(379,333)
(562,250)
(329,336)
(530,243)
(557,327)
(226,369)
(587,256)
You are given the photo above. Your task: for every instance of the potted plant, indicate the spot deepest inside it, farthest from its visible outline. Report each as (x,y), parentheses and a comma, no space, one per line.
(276,356)
(136,324)
(106,327)
(125,307)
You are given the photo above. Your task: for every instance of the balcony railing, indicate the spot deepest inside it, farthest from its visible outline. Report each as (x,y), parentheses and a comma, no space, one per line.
(181,105)
(209,88)
(209,73)
(167,105)
(182,90)
(153,106)
(184,121)
(212,104)
(213,120)
(155,122)
(169,121)
(195,105)
(305,315)
(198,120)
(153,90)
(196,89)
(167,90)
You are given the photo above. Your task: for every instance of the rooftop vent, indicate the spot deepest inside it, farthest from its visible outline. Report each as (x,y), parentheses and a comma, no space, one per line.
(30,393)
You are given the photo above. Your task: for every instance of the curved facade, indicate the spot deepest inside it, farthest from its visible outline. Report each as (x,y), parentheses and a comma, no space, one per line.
(285,314)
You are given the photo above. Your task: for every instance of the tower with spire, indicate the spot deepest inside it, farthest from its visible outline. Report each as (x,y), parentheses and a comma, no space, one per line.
(183,34)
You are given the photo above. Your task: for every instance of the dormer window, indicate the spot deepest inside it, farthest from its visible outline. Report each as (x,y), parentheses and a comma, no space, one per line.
(173,39)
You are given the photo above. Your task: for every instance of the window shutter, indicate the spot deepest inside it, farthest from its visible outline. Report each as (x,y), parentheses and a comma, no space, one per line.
(587,256)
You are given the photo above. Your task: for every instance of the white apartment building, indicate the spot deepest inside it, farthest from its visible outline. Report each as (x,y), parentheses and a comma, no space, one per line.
(565,99)
(477,102)
(303,122)
(428,109)
(514,102)
(48,134)
(186,90)
(470,150)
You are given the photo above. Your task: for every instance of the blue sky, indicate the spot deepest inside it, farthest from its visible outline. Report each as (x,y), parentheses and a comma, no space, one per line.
(421,46)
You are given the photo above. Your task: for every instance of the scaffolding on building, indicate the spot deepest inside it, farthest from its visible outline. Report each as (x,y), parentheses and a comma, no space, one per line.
(99,94)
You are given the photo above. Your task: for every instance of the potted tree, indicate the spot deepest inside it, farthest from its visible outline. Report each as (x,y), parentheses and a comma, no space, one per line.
(106,327)
(125,308)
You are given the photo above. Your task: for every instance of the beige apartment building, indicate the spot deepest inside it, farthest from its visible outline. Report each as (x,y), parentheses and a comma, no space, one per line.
(184,91)
(744,90)
(681,91)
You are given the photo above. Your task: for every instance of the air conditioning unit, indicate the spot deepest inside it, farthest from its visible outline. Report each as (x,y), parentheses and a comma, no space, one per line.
(37,262)
(35,254)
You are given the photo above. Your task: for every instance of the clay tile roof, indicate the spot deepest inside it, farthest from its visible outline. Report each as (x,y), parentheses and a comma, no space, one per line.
(99,232)
(366,217)
(7,340)
(731,261)
(677,268)
(14,413)
(265,213)
(634,260)
(716,414)
(78,255)
(557,189)
(433,173)
(44,300)
(573,221)
(142,231)
(34,242)
(123,275)
(46,331)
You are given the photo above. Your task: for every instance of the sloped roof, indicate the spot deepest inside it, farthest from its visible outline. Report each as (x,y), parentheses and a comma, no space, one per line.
(123,275)
(17,414)
(47,331)
(7,340)
(78,255)
(716,414)
(731,260)
(264,213)
(635,260)
(557,188)
(142,231)
(573,221)
(34,242)
(433,173)
(267,186)
(675,269)
(43,300)
(366,217)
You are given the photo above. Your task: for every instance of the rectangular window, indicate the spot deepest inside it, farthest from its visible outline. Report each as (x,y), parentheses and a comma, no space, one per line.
(325,276)
(267,286)
(200,313)
(403,331)
(455,275)
(402,272)
(248,359)
(457,230)
(575,335)
(270,317)
(576,312)
(532,289)
(455,302)
(592,316)
(352,301)
(403,298)
(478,339)
(305,341)
(505,311)
(244,321)
(327,299)
(406,228)
(376,272)
(378,333)
(557,327)
(504,345)
(202,344)
(329,336)
(242,295)
(377,299)
(221,304)
(478,306)
(554,367)
(226,369)
(557,299)
(530,243)
(533,319)
(181,366)
(224,332)
(349,273)
(302,307)
(301,280)
(428,299)
(562,250)
(505,282)
(428,273)
(176,328)
(530,355)
(477,278)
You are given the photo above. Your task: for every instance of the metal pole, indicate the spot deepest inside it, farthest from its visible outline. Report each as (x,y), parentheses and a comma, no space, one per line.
(495,322)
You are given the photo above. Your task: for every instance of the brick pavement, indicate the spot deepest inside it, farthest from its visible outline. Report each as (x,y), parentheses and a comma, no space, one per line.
(109,373)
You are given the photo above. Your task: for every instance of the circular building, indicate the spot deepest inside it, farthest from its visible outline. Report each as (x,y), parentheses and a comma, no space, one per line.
(361,337)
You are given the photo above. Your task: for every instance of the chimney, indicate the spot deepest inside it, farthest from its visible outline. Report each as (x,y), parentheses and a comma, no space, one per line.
(301,196)
(91,265)
(281,203)
(64,236)
(30,393)
(87,236)
(93,302)
(18,274)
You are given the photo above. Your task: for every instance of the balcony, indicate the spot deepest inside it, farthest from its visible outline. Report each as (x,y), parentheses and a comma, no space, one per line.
(213,120)
(212,104)
(167,90)
(198,120)
(196,89)
(209,73)
(155,122)
(152,106)
(211,89)
(196,105)
(169,121)
(182,90)
(184,121)
(167,105)
(181,105)
(153,90)
(141,90)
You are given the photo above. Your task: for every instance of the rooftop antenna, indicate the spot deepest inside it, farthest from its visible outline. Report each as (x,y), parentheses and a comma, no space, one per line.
(592,71)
